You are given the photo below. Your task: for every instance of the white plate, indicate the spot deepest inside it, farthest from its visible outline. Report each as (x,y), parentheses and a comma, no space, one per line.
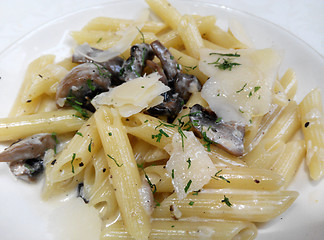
(24,216)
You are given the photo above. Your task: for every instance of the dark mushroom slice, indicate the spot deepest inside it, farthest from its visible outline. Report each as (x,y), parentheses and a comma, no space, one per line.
(169,64)
(226,135)
(170,107)
(156,68)
(185,85)
(113,65)
(134,65)
(25,157)
(81,84)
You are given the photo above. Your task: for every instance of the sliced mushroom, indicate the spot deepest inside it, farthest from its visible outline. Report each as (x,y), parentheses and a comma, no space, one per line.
(156,68)
(134,65)
(170,107)
(169,64)
(81,84)
(185,85)
(227,135)
(25,157)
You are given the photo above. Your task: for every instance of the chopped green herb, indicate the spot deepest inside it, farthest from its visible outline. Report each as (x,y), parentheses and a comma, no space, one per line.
(256,88)
(157,204)
(141,166)
(146,121)
(195,192)
(191,203)
(172,226)
(250,94)
(242,88)
(218,120)
(250,121)
(89,146)
(153,186)
(80,134)
(207,141)
(99,40)
(225,64)
(188,186)
(226,201)
(56,141)
(142,87)
(189,162)
(226,54)
(241,111)
(171,57)
(159,135)
(172,174)
(216,176)
(188,68)
(142,38)
(110,134)
(143,56)
(115,161)
(90,85)
(73,158)
(106,74)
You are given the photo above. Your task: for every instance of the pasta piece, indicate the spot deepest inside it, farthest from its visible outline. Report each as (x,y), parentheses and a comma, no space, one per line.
(115,24)
(48,104)
(312,121)
(188,229)
(221,157)
(190,36)
(265,153)
(53,189)
(124,172)
(171,39)
(164,10)
(226,177)
(97,188)
(210,45)
(245,205)
(289,83)
(145,152)
(21,106)
(224,39)
(145,127)
(48,76)
(77,153)
(60,121)
(204,23)
(289,161)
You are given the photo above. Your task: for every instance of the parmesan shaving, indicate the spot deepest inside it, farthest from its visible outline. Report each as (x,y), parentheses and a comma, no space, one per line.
(133,96)
(121,46)
(189,162)
(244,90)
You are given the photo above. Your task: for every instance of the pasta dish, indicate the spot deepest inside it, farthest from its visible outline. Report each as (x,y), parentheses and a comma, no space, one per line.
(171,129)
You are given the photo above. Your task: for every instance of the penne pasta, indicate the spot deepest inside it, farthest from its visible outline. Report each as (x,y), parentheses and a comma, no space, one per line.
(246,205)
(312,124)
(226,177)
(60,121)
(188,229)
(190,35)
(124,173)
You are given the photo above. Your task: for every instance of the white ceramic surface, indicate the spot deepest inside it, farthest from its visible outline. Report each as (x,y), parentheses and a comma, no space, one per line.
(24,216)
